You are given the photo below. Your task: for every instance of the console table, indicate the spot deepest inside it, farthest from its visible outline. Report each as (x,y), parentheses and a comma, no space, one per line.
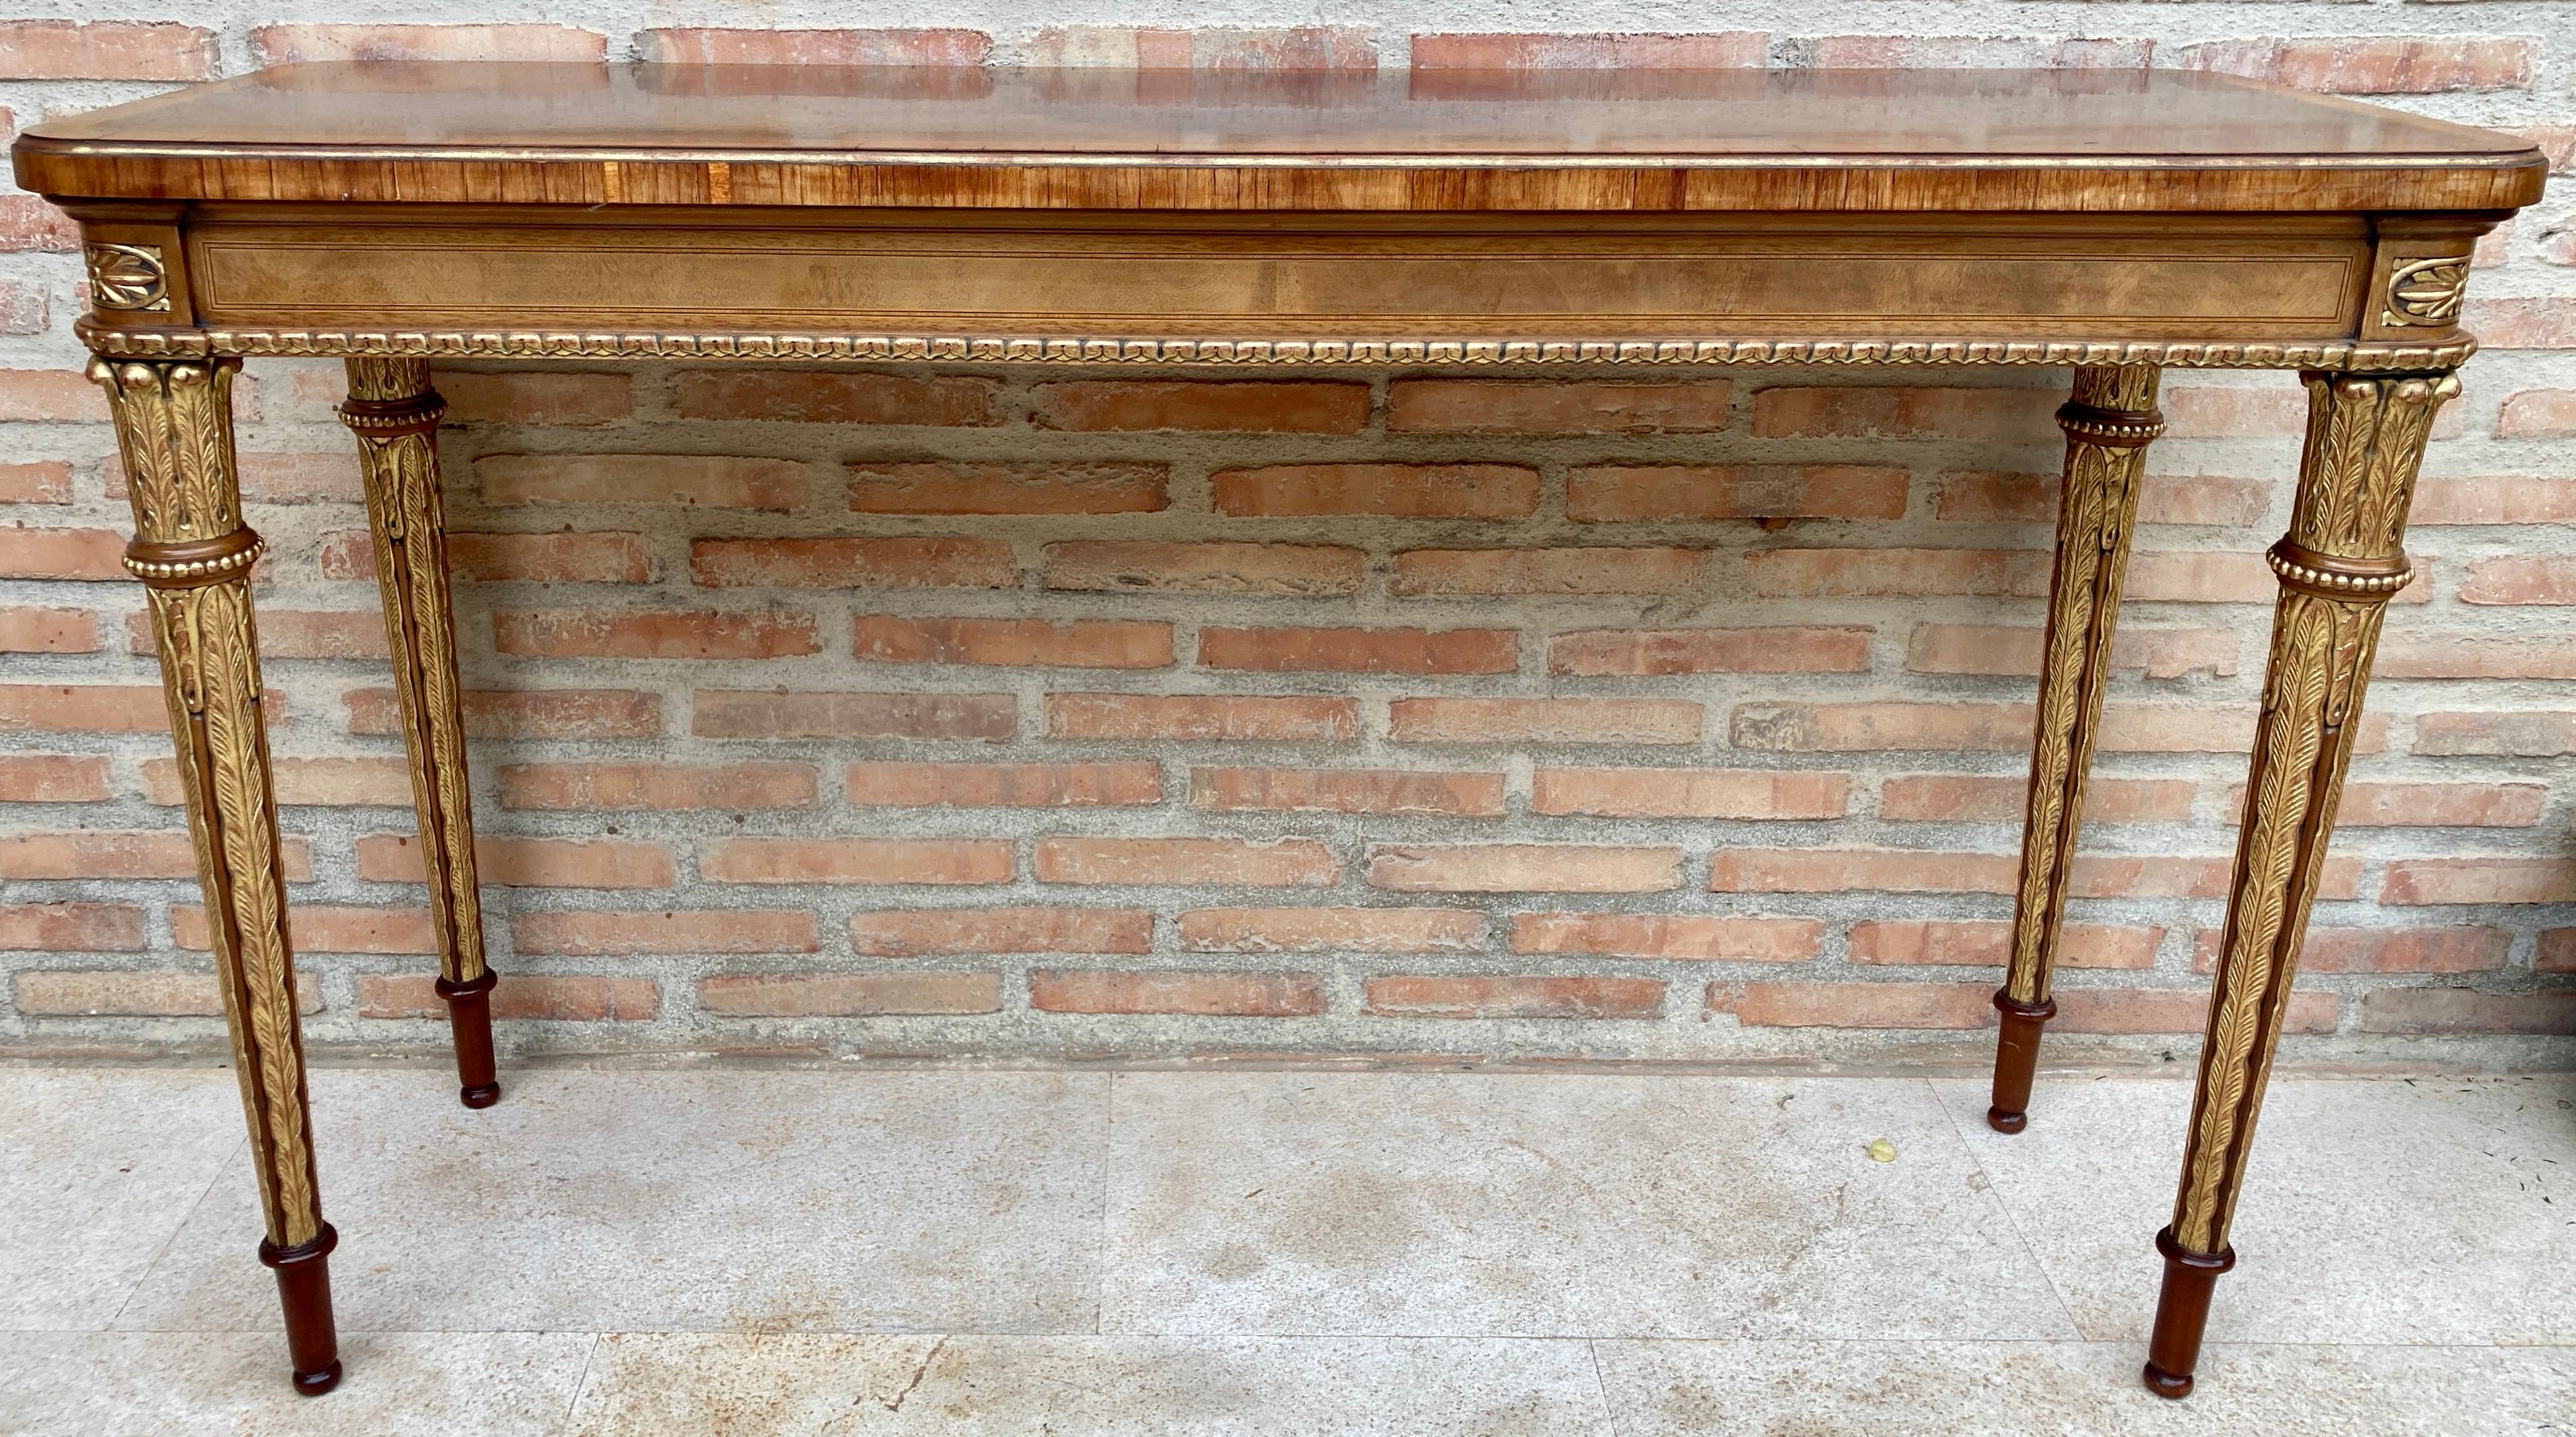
(2114,223)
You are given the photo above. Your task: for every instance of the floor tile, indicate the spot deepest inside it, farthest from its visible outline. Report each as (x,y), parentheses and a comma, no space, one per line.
(797,1383)
(2432,1210)
(98,1167)
(606,1201)
(1883,1389)
(1476,1205)
(161,1384)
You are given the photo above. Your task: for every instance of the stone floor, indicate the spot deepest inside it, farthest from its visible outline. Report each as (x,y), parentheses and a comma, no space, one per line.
(754,1252)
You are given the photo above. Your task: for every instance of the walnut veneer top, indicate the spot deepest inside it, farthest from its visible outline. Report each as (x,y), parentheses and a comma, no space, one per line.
(1849,140)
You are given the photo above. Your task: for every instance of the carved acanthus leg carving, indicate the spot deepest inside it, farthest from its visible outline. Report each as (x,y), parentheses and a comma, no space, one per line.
(2344,558)
(2109,422)
(194,554)
(395,414)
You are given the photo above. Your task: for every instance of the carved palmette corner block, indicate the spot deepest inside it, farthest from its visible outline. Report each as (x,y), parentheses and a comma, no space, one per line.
(127,277)
(2426,293)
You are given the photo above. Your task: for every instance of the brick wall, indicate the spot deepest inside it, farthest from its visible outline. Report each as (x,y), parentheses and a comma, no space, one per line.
(989,713)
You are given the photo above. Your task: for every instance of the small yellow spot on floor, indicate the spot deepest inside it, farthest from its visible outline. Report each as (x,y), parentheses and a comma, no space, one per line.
(1880,1150)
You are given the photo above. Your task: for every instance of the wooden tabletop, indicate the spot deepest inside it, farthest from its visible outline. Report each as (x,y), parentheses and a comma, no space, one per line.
(2009,140)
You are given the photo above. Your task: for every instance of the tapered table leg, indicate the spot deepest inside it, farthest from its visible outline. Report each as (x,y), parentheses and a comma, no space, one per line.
(2109,421)
(395,414)
(2342,561)
(194,554)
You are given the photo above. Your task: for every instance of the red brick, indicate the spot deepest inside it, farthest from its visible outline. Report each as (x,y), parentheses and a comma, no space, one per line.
(83,708)
(1687,937)
(653,634)
(948,932)
(1689,793)
(1838,412)
(2451,656)
(2382,950)
(1973,798)
(44,481)
(320,782)
(2104,875)
(293,634)
(2371,64)
(609,558)
(2537,579)
(1254,406)
(2171,1010)
(1188,862)
(1632,492)
(53,778)
(100,853)
(693,480)
(841,563)
(48,631)
(1861,727)
(151,993)
(1896,572)
(2458,1010)
(1988,943)
(2434,805)
(42,395)
(1128,566)
(836,396)
(1729,50)
(1005,785)
(533,713)
(105,50)
(292,44)
(327,928)
(1072,644)
(2524,734)
(886,487)
(2480,880)
(657,785)
(542,396)
(1471,996)
(749,713)
(858,860)
(1991,496)
(1648,652)
(1213,995)
(2495,499)
(1320,930)
(1546,406)
(716,46)
(1421,572)
(563,998)
(1345,790)
(1997,649)
(530,862)
(1886,52)
(2555,952)
(1522,868)
(848,995)
(585,933)
(1833,870)
(1855,1005)
(1525,721)
(85,554)
(28,223)
(1203,717)
(2537,414)
(1413,491)
(72,927)
(1362,651)
(2522,323)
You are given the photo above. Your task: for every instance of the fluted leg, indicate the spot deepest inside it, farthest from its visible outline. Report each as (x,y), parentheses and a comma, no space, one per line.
(2343,559)
(194,555)
(2108,422)
(395,413)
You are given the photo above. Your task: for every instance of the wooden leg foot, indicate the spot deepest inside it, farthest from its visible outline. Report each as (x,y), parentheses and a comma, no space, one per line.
(2016,1060)
(304,1286)
(2182,1313)
(469,1018)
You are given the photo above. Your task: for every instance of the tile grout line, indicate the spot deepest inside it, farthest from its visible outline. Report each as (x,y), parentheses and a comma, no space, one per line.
(1995,1192)
(589,1356)
(240,1147)
(1609,1413)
